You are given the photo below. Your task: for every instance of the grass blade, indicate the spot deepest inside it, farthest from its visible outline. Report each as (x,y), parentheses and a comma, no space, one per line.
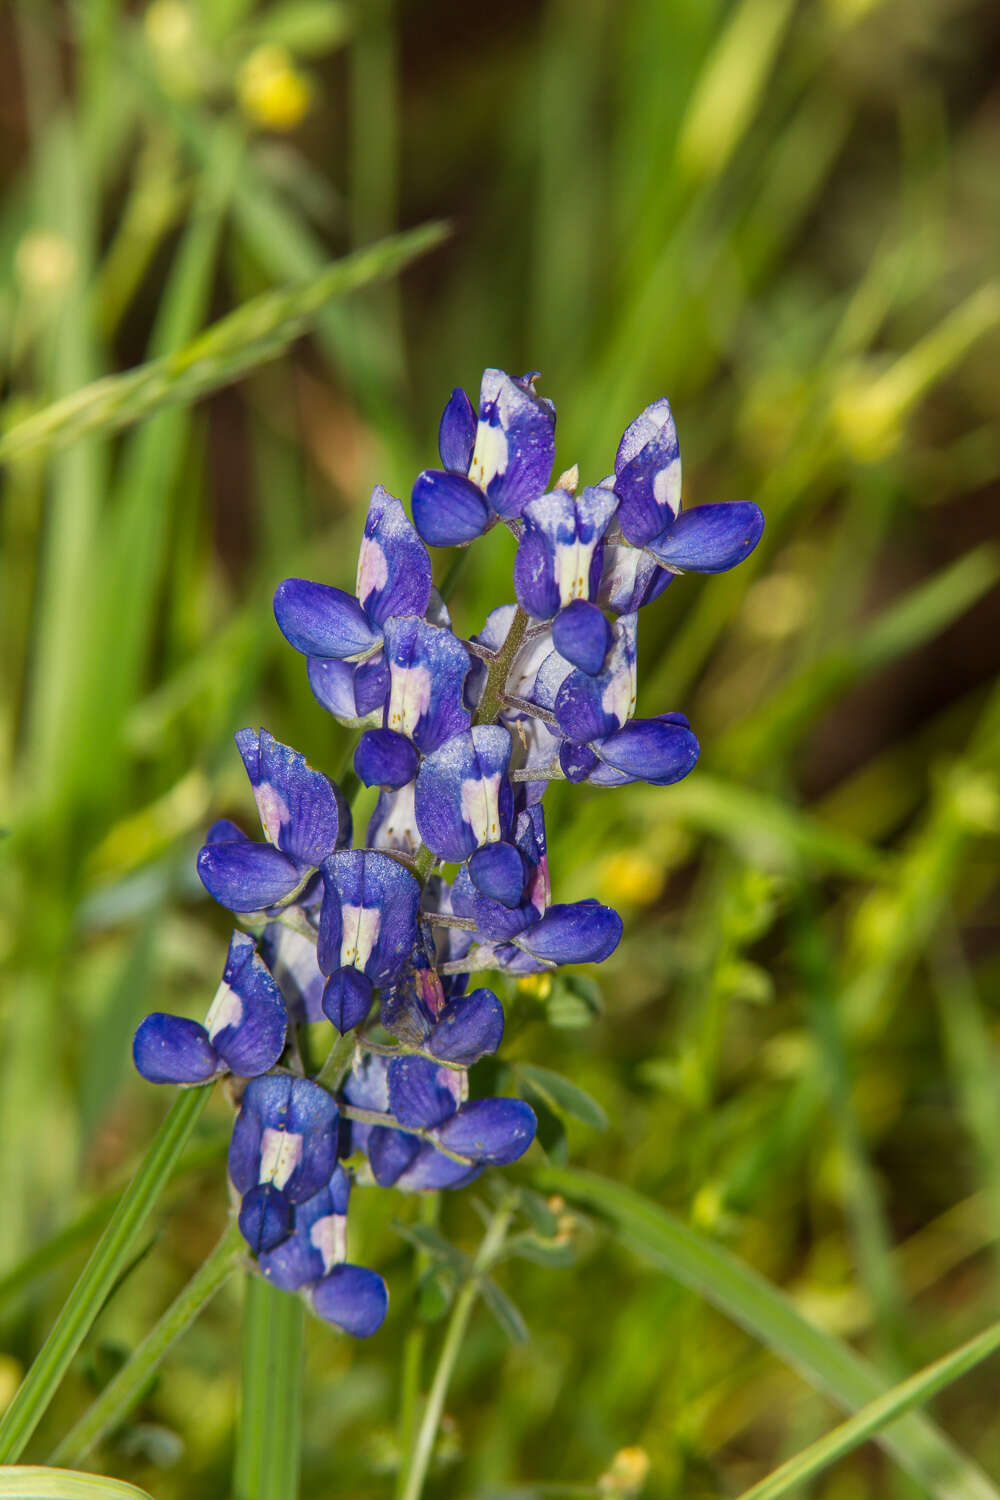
(876,1416)
(768,1315)
(258,331)
(99,1274)
(60,1484)
(270,1430)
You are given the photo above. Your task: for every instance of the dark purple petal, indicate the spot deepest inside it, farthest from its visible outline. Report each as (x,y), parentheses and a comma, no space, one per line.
(247,1021)
(534,569)
(457,432)
(338,686)
(172,1049)
(648,474)
(320,620)
(286,1134)
(498,871)
(421,1094)
(347,998)
(710,538)
(576,761)
(265,1218)
(515,442)
(225,831)
(463,798)
(650,750)
(298,807)
(244,876)
(582,932)
(431,1171)
(384,758)
(493,1131)
(470,1026)
(316,1242)
(590,705)
(390,1153)
(353,1298)
(394,568)
(369,916)
(427,669)
(448,510)
(582,635)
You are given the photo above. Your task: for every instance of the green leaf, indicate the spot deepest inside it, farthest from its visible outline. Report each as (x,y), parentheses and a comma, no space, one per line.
(426,1238)
(256,332)
(112,1253)
(877,1415)
(504,1310)
(269,1438)
(435,1293)
(770,1316)
(561,1095)
(62,1484)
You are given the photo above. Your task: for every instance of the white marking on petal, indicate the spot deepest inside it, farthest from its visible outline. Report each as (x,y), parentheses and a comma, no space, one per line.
(479,807)
(360,930)
(329,1237)
(373,568)
(273,809)
(398,829)
(618,698)
(490,455)
(226,1010)
(409,697)
(667,486)
(280,1154)
(573,561)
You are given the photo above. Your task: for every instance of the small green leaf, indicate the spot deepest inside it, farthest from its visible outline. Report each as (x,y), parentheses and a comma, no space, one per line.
(435,1292)
(561,1095)
(435,1245)
(542,1252)
(504,1310)
(63,1484)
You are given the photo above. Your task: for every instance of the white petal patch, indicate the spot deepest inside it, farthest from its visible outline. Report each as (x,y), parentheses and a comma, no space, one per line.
(573,561)
(479,807)
(273,809)
(329,1237)
(280,1154)
(618,698)
(360,929)
(490,455)
(667,486)
(398,829)
(409,697)
(373,568)
(226,1010)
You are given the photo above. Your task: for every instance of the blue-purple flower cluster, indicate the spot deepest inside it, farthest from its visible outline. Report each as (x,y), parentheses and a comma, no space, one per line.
(461,738)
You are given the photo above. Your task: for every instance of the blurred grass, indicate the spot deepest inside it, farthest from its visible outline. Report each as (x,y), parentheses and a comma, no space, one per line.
(783,215)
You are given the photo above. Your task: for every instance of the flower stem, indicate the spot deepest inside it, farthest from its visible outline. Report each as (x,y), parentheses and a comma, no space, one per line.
(413,1347)
(491,702)
(269,1440)
(99,1275)
(423,1447)
(121,1393)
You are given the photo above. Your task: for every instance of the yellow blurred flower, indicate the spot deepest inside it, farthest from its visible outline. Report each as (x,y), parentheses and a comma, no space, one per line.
(45,262)
(535,986)
(626,1474)
(272,93)
(631,876)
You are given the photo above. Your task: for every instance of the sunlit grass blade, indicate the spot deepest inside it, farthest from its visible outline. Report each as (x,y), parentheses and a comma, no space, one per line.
(876,1416)
(99,1275)
(255,332)
(767,1314)
(59,1484)
(121,1393)
(270,1426)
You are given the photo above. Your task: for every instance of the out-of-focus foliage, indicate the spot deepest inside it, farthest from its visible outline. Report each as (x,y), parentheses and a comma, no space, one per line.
(785,217)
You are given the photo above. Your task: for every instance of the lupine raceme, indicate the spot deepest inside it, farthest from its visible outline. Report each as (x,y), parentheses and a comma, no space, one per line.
(461,738)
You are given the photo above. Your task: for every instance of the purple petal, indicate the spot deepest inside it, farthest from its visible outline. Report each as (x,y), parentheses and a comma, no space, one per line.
(317,1240)
(427,670)
(463,798)
(291,958)
(393,824)
(431,1171)
(244,876)
(298,807)
(320,620)
(349,690)
(247,1022)
(577,761)
(470,1026)
(650,750)
(559,555)
(286,1134)
(582,932)
(498,871)
(493,1131)
(354,1298)
(265,1218)
(384,758)
(390,1152)
(582,635)
(648,474)
(631,578)
(347,998)
(225,831)
(710,538)
(515,442)
(457,433)
(448,510)
(590,705)
(421,1094)
(394,568)
(172,1049)
(369,916)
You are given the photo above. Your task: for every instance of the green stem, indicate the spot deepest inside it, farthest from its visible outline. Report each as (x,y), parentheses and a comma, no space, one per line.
(423,1447)
(127,1387)
(496,677)
(338,1061)
(99,1275)
(413,1348)
(877,1415)
(269,1441)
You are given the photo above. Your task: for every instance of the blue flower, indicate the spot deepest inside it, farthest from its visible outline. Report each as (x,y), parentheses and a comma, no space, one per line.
(367,930)
(558,568)
(283,1151)
(244,1031)
(303,820)
(394,578)
(492,466)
